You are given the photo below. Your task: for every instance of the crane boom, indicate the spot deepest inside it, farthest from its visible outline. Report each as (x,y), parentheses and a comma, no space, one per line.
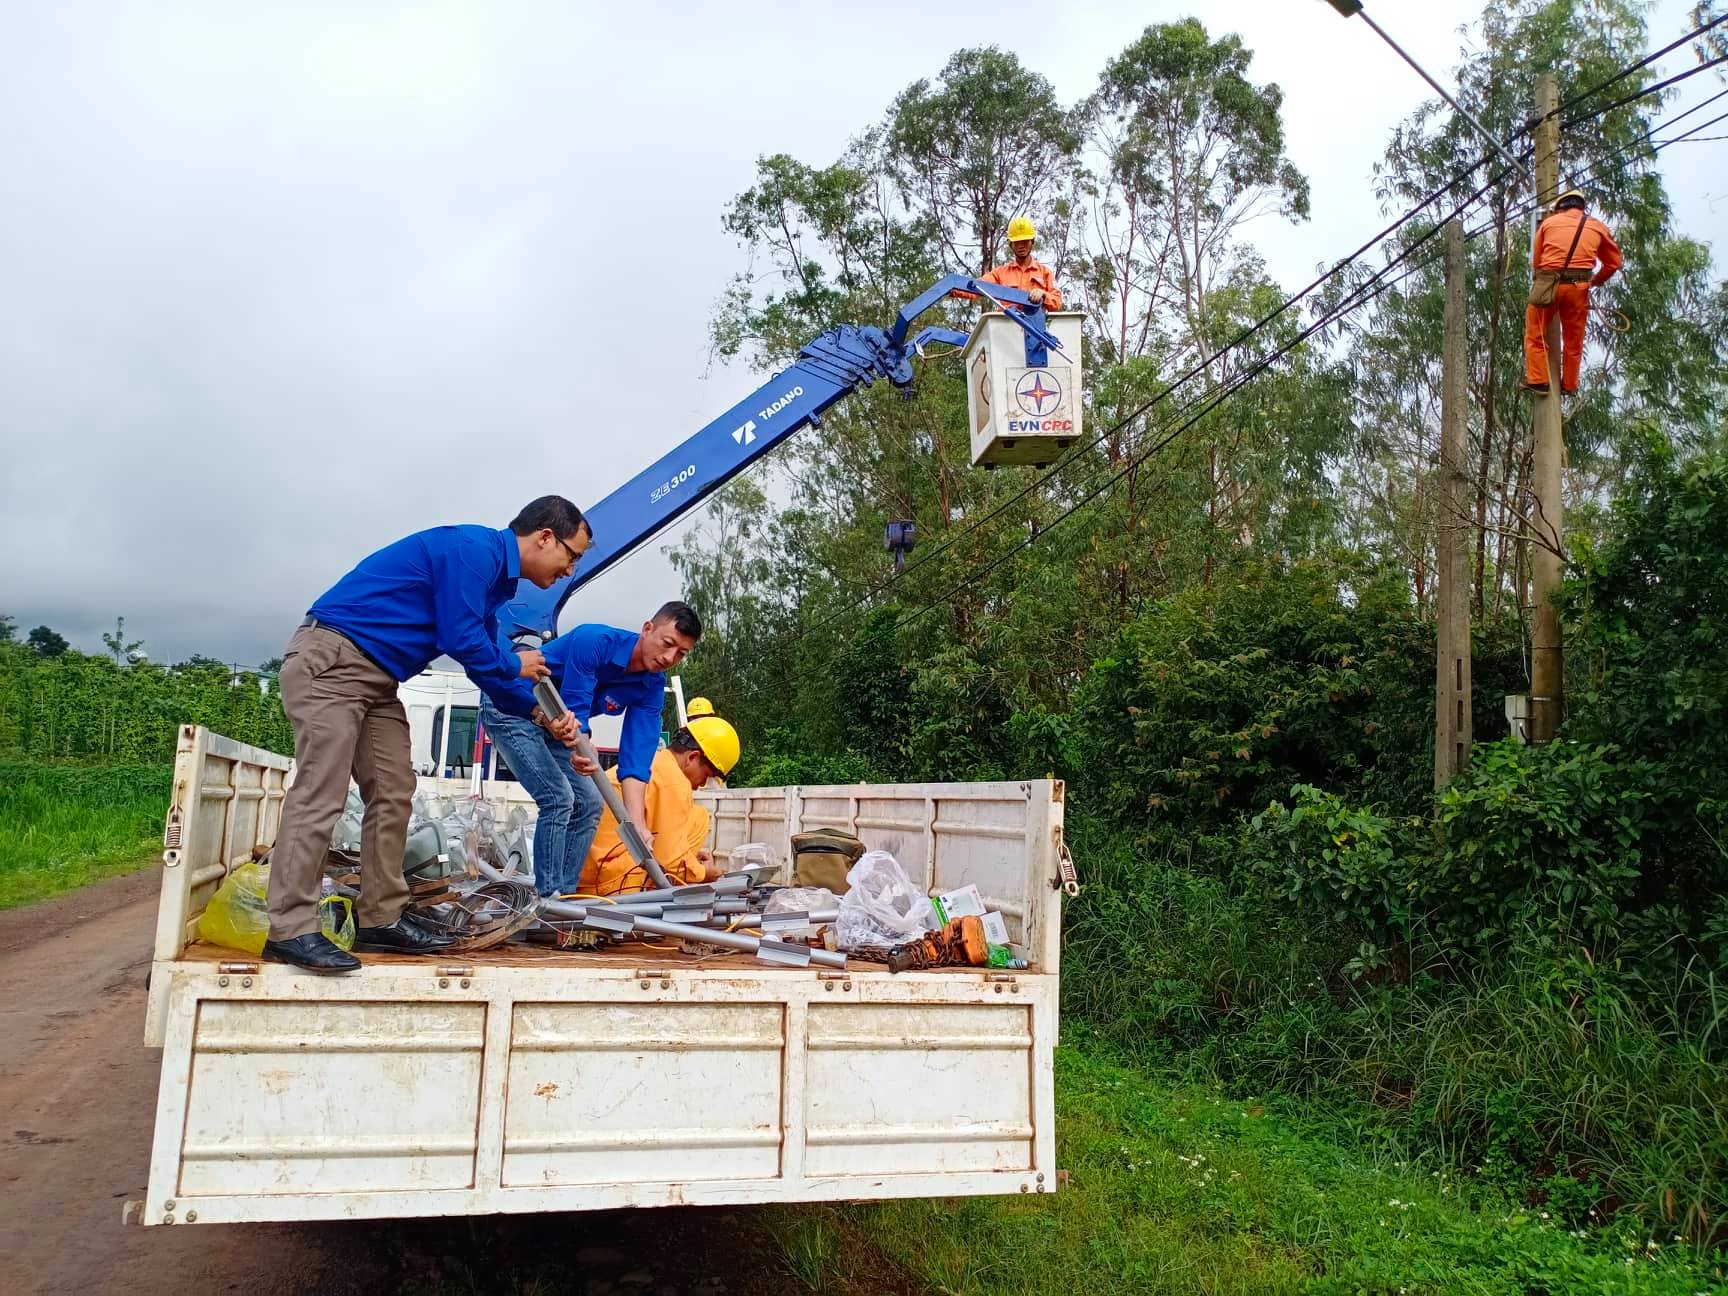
(828,369)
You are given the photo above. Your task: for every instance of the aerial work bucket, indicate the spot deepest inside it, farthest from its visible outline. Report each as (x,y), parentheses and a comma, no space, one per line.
(1023,397)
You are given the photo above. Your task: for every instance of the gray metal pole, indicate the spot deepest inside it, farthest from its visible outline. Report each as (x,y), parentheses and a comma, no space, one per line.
(1440,90)
(772,951)
(790,918)
(552,703)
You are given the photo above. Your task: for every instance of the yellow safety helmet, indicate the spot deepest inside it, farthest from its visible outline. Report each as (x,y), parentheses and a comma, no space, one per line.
(1569,196)
(717,739)
(1019,229)
(697,708)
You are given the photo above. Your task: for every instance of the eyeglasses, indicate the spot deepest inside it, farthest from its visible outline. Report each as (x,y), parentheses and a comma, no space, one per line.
(574,556)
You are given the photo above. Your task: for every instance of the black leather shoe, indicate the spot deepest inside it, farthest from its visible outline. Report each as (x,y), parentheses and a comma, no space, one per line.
(401,937)
(314,951)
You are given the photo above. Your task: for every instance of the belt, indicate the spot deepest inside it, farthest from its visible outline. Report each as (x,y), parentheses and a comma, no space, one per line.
(313,623)
(1576,276)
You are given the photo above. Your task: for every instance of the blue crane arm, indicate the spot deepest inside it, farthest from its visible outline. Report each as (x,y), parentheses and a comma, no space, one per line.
(828,370)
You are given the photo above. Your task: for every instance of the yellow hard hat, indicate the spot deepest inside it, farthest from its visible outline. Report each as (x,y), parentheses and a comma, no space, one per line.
(1568,195)
(1020,228)
(698,707)
(717,739)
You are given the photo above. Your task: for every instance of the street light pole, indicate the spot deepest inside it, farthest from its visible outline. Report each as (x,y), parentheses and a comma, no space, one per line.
(1354,9)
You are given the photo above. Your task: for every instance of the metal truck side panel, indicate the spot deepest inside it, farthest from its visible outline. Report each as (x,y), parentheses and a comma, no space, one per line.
(226,801)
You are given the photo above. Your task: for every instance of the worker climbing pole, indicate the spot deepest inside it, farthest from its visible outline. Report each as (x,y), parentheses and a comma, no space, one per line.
(1574,254)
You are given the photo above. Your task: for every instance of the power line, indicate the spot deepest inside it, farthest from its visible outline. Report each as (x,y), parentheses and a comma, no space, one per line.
(1645,93)
(1640,65)
(1076,456)
(1347,306)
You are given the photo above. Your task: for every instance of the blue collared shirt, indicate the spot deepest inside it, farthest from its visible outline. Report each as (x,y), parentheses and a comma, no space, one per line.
(591,665)
(434,592)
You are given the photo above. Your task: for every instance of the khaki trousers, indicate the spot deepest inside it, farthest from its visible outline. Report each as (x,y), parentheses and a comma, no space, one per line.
(347,720)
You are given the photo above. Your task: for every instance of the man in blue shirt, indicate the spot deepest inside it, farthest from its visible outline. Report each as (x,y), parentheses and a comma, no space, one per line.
(435,592)
(599,670)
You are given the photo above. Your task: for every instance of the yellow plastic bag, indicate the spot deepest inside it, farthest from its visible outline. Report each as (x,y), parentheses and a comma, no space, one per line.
(238,915)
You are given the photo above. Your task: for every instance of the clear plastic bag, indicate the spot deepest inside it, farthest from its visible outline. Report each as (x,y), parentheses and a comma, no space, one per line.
(800,900)
(757,857)
(345,837)
(881,907)
(238,915)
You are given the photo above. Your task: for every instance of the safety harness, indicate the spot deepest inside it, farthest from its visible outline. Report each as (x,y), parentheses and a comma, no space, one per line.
(1544,282)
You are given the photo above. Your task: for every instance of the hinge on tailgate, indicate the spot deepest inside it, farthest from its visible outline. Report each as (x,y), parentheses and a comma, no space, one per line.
(645,975)
(1067,879)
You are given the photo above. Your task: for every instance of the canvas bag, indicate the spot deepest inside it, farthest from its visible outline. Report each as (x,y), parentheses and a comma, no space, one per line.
(822,858)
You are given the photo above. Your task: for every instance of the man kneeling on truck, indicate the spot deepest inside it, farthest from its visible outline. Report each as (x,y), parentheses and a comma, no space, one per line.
(599,670)
(705,748)
(434,592)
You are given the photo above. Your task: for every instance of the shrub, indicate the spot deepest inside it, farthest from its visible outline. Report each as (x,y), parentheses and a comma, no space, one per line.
(1548,838)
(1219,701)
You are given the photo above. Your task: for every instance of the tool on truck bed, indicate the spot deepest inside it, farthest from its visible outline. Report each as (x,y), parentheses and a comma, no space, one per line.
(959,944)
(547,695)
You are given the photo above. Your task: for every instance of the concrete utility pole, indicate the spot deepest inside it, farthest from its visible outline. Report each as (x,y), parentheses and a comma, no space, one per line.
(1453,730)
(1543,527)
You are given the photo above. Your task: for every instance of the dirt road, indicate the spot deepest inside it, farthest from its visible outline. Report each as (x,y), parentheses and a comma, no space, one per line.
(77,1097)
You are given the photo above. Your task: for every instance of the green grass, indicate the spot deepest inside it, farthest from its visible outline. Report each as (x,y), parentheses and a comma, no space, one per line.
(65,826)
(1181,1189)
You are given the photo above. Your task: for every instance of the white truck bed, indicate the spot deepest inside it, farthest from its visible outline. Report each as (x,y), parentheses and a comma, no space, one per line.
(524,1079)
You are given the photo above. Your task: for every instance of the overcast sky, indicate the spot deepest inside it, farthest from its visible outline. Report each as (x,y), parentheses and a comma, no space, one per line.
(281,283)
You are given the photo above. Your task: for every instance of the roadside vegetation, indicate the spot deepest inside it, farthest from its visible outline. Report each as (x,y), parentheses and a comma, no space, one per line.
(1178,1188)
(64,826)
(86,752)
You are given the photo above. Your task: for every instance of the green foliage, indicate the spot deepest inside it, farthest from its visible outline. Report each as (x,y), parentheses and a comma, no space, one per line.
(1352,867)
(73,705)
(782,765)
(986,142)
(1551,836)
(48,643)
(1223,699)
(69,825)
(1652,605)
(1552,1073)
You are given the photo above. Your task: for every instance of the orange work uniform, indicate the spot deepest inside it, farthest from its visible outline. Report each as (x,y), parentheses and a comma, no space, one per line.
(680,829)
(1596,246)
(1034,274)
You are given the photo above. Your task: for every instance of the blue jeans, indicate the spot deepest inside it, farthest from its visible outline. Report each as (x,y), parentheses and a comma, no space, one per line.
(569,802)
